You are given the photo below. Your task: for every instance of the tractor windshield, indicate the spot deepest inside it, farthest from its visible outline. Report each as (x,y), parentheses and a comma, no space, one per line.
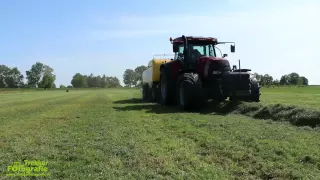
(200,48)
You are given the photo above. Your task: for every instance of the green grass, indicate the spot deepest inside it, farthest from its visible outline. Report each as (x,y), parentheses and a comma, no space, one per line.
(308,97)
(108,134)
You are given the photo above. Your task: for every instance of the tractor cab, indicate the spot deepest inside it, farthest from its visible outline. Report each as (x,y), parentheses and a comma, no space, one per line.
(189,49)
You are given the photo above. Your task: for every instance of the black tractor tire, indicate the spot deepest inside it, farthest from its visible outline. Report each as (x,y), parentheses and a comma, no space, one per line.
(166,95)
(190,94)
(145,93)
(255,92)
(220,98)
(232,99)
(155,93)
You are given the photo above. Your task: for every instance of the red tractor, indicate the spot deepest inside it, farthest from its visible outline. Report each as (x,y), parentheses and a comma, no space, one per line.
(196,74)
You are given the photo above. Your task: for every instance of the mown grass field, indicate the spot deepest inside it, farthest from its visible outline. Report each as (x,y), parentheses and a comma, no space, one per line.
(109,134)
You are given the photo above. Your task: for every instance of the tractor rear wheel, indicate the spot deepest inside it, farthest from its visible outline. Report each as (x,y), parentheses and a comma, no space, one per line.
(166,89)
(190,95)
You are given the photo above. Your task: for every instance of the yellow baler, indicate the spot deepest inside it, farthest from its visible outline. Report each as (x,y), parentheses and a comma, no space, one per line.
(151,77)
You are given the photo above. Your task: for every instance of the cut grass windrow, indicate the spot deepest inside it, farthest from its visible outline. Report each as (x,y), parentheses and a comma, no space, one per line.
(298,116)
(293,114)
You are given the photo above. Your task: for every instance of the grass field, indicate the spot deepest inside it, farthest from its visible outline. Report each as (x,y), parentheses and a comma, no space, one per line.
(109,134)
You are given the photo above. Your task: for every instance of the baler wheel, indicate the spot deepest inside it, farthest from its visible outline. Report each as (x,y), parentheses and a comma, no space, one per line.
(145,93)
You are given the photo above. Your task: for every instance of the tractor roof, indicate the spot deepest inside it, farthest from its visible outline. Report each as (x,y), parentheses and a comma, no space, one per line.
(194,38)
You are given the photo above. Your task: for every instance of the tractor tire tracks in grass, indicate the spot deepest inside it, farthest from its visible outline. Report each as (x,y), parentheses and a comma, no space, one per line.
(104,135)
(235,146)
(34,137)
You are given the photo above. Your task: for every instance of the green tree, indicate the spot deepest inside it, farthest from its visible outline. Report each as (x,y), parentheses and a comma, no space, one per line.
(267,79)
(113,82)
(257,76)
(304,80)
(103,81)
(4,72)
(138,74)
(10,77)
(97,81)
(15,79)
(285,80)
(79,81)
(263,79)
(91,80)
(34,75)
(41,75)
(62,86)
(129,78)
(276,82)
(294,78)
(48,78)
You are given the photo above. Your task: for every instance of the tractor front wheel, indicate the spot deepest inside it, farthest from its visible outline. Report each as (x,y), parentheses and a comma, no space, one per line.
(253,97)
(255,92)
(189,90)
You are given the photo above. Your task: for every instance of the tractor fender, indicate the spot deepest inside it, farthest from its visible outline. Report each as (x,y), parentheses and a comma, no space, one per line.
(166,70)
(173,70)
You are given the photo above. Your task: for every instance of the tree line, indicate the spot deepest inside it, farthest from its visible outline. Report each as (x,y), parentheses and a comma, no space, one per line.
(41,76)
(287,79)
(133,78)
(84,81)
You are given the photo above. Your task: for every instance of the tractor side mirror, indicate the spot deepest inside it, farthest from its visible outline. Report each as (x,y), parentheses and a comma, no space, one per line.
(175,48)
(233,48)
(225,55)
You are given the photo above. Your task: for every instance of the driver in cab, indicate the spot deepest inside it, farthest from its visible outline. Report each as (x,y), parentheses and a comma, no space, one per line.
(195,54)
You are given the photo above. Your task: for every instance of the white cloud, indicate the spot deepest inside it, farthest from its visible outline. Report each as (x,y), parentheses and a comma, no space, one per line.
(290,19)
(276,41)
(116,34)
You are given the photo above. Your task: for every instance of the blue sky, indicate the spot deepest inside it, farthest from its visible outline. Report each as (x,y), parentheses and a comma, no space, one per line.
(106,37)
